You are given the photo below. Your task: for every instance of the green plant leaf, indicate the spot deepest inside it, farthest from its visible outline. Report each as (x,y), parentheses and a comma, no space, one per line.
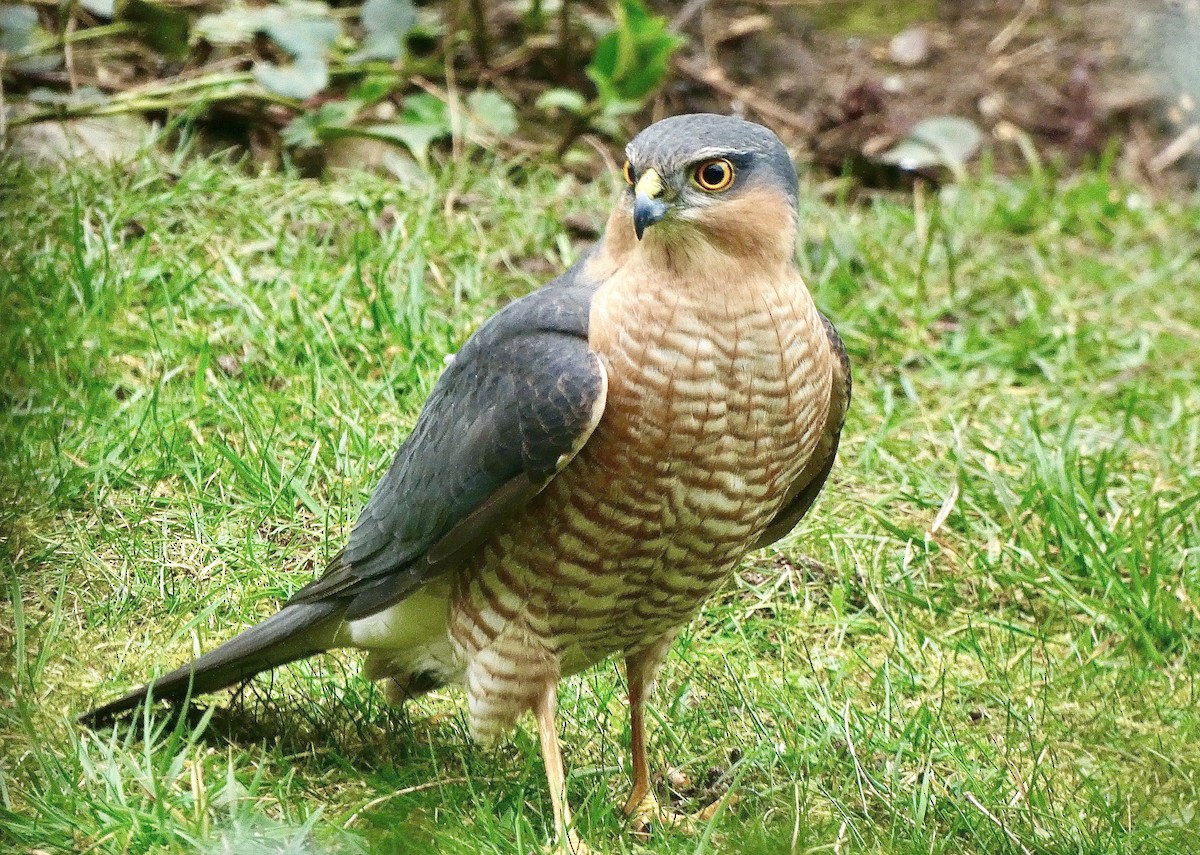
(415,137)
(631,62)
(18,26)
(304,131)
(617,107)
(302,79)
(162,27)
(567,100)
(303,29)
(302,35)
(373,88)
(492,113)
(948,141)
(423,120)
(424,108)
(234,26)
(606,124)
(331,119)
(387,24)
(23,38)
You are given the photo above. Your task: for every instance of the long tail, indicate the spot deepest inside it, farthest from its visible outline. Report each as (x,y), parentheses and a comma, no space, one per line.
(295,632)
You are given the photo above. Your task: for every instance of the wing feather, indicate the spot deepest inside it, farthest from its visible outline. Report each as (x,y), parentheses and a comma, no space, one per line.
(514,407)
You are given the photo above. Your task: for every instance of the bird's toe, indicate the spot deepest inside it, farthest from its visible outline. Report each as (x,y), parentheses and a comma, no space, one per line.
(648,815)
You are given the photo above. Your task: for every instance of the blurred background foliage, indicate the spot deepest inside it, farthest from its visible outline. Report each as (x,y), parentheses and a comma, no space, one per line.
(297,75)
(874,93)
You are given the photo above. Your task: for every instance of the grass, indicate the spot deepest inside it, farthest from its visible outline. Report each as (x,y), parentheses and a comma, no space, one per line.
(984,640)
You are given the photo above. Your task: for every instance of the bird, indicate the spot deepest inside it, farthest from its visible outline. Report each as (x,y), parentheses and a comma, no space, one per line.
(592,464)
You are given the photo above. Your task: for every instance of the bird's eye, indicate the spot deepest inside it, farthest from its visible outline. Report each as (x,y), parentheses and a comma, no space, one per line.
(714,175)
(629,173)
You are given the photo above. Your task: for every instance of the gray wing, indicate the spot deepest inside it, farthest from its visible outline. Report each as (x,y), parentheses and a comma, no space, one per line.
(804,492)
(515,405)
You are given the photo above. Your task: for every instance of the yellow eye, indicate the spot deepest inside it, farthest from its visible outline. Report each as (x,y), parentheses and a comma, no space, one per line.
(713,175)
(629,173)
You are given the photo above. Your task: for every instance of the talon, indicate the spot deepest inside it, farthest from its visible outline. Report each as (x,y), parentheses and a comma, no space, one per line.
(648,813)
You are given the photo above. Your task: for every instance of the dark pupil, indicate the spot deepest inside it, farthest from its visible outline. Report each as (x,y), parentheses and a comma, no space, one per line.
(713,173)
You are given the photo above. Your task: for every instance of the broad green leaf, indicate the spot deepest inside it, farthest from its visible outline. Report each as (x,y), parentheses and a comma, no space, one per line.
(607,124)
(632,61)
(302,79)
(373,88)
(24,40)
(303,36)
(236,25)
(561,99)
(312,128)
(18,26)
(617,107)
(303,29)
(162,27)
(492,112)
(304,131)
(948,141)
(414,136)
(423,120)
(426,109)
(387,24)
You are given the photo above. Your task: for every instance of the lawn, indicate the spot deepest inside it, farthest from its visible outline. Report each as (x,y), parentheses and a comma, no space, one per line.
(985,638)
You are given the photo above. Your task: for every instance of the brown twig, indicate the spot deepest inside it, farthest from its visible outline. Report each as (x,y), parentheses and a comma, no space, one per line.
(62,78)
(508,63)
(456,145)
(1028,9)
(1176,149)
(69,54)
(714,78)
(564,40)
(602,151)
(479,33)
(1004,64)
(689,11)
(576,125)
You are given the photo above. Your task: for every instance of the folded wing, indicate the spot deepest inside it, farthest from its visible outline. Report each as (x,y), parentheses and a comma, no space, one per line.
(513,408)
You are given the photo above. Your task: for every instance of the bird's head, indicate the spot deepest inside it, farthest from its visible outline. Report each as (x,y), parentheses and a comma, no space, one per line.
(718,178)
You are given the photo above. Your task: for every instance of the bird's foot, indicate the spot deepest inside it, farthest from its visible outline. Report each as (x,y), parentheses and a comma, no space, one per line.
(647,815)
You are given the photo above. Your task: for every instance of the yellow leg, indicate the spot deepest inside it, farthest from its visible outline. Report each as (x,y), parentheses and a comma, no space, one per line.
(546,712)
(642,806)
(640,683)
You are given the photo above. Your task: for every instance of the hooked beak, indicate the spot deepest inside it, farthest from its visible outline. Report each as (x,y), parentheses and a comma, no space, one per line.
(648,205)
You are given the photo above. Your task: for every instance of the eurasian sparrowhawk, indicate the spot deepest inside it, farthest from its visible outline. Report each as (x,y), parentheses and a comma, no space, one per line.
(593,463)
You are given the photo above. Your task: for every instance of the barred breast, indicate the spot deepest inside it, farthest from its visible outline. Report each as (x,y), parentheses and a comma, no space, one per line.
(715,403)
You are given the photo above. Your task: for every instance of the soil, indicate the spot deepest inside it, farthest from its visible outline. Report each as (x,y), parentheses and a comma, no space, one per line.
(1075,79)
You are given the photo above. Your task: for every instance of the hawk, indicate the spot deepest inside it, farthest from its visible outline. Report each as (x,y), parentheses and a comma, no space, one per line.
(592,464)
